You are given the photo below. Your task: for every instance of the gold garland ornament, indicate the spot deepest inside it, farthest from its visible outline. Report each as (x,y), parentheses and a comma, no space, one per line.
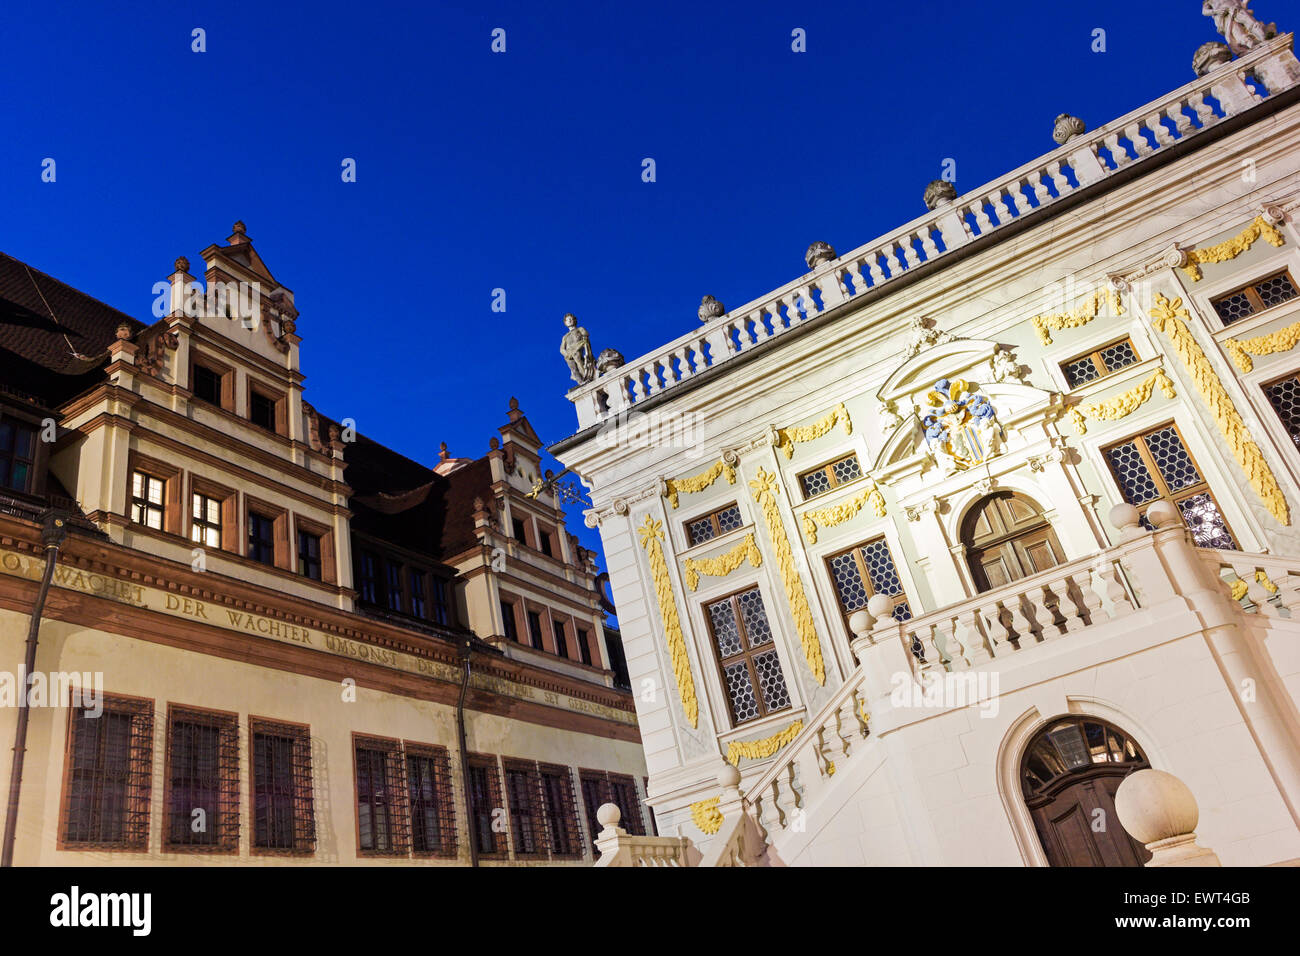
(1123,405)
(652,535)
(838,514)
(786,437)
(1283,340)
(1081,315)
(723,564)
(765,490)
(706,815)
(1169,318)
(697,483)
(1231,248)
(1240,587)
(739,750)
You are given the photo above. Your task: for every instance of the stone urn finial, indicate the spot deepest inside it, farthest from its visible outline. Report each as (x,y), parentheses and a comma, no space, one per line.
(1156,808)
(1210,56)
(182,264)
(608,360)
(1067,127)
(818,253)
(940,192)
(710,309)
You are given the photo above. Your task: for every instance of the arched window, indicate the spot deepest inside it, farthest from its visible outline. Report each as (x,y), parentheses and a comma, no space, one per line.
(1068,776)
(1007,537)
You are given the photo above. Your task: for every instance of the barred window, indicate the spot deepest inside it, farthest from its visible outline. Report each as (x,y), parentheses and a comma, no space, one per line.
(830,476)
(599,787)
(433,811)
(527,815)
(382,826)
(866,569)
(283,808)
(147,499)
(561,811)
(485,805)
(1156,464)
(747,658)
(109,775)
(17,455)
(715,523)
(202,809)
(1099,363)
(1284,396)
(1256,297)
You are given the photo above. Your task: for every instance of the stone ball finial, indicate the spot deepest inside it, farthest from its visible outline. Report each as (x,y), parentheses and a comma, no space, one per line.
(818,253)
(860,623)
(608,814)
(711,308)
(1066,128)
(880,607)
(1210,56)
(1164,514)
(182,264)
(123,332)
(1153,805)
(728,777)
(938,193)
(494,443)
(1124,516)
(239,229)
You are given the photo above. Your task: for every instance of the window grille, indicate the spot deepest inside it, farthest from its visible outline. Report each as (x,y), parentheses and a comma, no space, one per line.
(486,808)
(110,771)
(433,808)
(283,807)
(383,827)
(527,814)
(560,810)
(202,808)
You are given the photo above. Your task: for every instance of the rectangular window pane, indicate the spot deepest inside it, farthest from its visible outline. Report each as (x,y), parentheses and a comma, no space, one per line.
(108,776)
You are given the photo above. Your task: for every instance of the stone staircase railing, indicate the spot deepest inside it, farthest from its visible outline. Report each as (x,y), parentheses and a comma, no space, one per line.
(1262,583)
(619,848)
(1083,160)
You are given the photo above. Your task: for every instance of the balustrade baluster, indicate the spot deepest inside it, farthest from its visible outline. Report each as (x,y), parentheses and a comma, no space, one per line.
(974,648)
(1017,191)
(1134,132)
(951,652)
(927,243)
(982,218)
(1160,130)
(1258,594)
(873,264)
(998,634)
(1049,601)
(1000,207)
(1113,588)
(1041,192)
(1089,601)
(909,252)
(1289,592)
(1024,620)
(1058,178)
(1204,112)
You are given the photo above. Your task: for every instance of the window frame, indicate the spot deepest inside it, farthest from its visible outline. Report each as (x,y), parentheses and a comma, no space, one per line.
(137,821)
(170,477)
(325,545)
(509,620)
(1098,362)
(279,406)
(493,799)
(302,778)
(279,519)
(444,796)
(392,760)
(228,504)
(225,375)
(20,425)
(746,654)
(560,637)
(582,638)
(536,636)
(715,522)
(865,576)
(1252,296)
(228,788)
(533,817)
(828,469)
(1153,471)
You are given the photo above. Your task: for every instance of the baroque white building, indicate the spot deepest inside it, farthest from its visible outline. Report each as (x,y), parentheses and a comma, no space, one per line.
(920,555)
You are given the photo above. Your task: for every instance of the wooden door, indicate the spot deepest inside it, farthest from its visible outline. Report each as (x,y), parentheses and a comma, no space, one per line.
(1007,538)
(1078,826)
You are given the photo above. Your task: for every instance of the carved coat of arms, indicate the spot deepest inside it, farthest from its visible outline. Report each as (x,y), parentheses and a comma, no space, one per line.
(961,428)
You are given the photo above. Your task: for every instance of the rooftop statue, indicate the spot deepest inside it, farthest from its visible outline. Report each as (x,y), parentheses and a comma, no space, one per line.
(1237,25)
(576,349)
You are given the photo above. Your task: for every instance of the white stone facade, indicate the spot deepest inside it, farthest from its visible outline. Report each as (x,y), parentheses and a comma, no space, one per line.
(1191,651)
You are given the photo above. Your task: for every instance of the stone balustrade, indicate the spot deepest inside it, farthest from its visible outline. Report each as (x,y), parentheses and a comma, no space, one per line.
(1083,160)
(619,848)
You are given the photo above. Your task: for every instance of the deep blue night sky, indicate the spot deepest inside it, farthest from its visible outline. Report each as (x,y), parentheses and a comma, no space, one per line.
(522,170)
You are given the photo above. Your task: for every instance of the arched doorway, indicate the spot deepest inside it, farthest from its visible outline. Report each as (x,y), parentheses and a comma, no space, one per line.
(1007,537)
(1069,775)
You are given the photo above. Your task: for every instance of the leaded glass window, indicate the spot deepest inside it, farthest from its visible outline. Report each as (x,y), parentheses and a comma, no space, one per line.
(1099,363)
(829,476)
(864,570)
(1261,295)
(709,526)
(747,657)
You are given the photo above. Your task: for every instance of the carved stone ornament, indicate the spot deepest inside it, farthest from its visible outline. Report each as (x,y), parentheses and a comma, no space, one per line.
(889,418)
(922,334)
(1066,128)
(710,309)
(961,426)
(576,349)
(1237,25)
(819,253)
(182,265)
(940,192)
(608,360)
(1175,258)
(1005,366)
(1210,56)
(1275,215)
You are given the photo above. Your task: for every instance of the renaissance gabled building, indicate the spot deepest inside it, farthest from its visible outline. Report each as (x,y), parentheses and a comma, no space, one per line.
(310,648)
(921,556)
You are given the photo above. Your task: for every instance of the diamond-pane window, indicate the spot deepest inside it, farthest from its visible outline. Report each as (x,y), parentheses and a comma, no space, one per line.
(1284,396)
(1264,294)
(1099,363)
(751,669)
(831,475)
(1157,465)
(864,570)
(709,526)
